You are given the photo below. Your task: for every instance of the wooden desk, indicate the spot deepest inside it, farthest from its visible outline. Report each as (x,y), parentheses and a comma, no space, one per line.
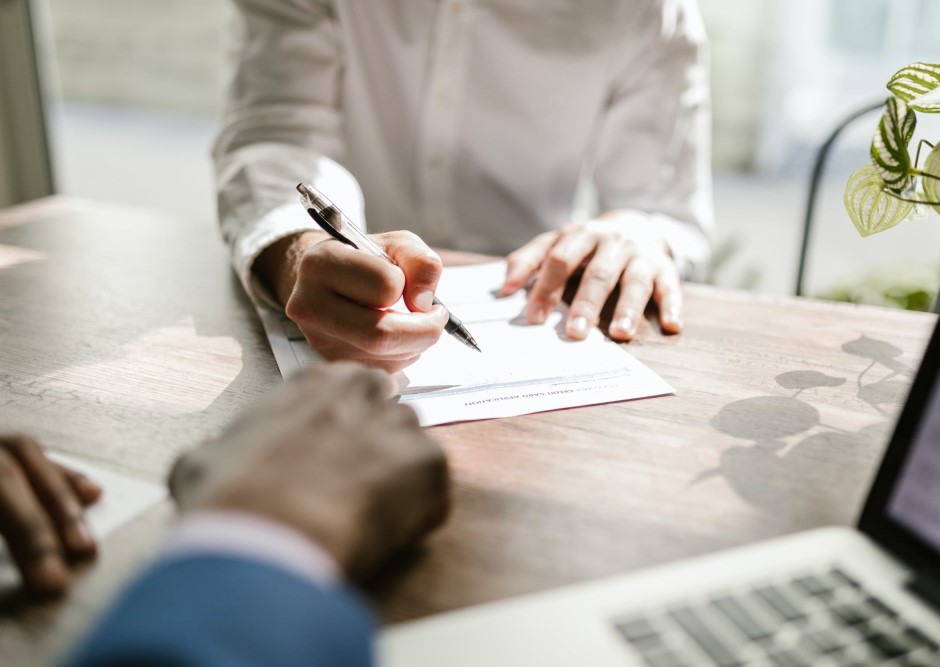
(125,338)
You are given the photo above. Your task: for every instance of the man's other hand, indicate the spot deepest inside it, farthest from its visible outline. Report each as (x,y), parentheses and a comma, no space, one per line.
(332,457)
(41,514)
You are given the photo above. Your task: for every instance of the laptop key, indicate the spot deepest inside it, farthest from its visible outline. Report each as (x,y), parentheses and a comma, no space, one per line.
(921,640)
(717,648)
(844,580)
(922,658)
(753,625)
(881,607)
(847,660)
(635,629)
(853,613)
(789,658)
(780,602)
(890,646)
(828,641)
(815,584)
(665,658)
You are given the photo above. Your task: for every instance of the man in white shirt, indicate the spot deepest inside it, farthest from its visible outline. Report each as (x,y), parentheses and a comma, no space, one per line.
(576,129)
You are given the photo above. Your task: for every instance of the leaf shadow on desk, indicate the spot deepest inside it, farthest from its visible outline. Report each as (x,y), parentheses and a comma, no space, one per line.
(774,473)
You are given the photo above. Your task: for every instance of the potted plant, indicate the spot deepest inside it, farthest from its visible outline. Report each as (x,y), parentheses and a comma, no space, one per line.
(893,187)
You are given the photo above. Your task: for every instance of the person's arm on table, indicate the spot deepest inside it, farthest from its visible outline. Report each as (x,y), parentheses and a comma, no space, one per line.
(319,484)
(282,125)
(41,514)
(653,181)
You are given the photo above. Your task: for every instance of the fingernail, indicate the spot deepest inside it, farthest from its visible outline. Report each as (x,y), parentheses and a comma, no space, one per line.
(424,300)
(579,326)
(538,315)
(674,317)
(83,539)
(626,325)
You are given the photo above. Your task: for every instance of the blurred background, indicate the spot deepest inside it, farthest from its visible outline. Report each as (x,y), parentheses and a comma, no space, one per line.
(134,88)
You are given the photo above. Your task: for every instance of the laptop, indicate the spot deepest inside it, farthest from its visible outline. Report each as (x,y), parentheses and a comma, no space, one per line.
(831,597)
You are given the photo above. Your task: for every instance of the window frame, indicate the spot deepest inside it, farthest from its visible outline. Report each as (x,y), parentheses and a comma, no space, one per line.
(25,160)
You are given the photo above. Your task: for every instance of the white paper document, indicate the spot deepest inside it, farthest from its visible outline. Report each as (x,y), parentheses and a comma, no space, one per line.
(123,498)
(522,368)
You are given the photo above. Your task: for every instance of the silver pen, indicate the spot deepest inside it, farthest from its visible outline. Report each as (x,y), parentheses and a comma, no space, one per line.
(344,230)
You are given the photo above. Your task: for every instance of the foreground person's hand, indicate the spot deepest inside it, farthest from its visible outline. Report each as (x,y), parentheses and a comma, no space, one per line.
(339,296)
(626,253)
(330,456)
(41,514)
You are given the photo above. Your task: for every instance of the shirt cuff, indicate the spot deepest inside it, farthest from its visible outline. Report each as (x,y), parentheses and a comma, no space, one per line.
(330,178)
(688,245)
(279,223)
(251,537)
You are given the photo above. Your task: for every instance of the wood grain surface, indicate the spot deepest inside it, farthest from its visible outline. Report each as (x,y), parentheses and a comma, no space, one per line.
(125,337)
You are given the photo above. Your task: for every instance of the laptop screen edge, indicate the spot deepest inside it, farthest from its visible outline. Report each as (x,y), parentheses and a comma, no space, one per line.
(875,520)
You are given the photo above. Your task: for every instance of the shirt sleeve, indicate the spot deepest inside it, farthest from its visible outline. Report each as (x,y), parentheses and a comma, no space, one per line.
(281,126)
(654,144)
(252,538)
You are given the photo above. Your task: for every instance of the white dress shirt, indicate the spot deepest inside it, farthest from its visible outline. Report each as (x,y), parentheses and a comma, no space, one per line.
(477,124)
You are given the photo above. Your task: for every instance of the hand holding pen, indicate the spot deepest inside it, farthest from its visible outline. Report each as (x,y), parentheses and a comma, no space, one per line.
(341,298)
(341,228)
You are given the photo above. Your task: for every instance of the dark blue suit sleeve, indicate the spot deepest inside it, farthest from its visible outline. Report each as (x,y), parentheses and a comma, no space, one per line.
(214,611)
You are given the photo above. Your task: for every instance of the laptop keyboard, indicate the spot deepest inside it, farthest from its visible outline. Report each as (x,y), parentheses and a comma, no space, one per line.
(814,620)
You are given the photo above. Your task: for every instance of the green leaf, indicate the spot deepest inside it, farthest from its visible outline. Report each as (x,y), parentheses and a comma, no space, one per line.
(932,185)
(889,151)
(915,80)
(871,208)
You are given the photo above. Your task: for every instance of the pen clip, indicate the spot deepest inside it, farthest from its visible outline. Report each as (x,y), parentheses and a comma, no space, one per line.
(329,228)
(337,225)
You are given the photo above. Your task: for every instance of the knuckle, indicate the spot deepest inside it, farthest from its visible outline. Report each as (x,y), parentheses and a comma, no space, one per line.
(407,236)
(639,277)
(34,532)
(556,261)
(301,312)
(599,277)
(313,261)
(19,445)
(295,309)
(373,382)
(9,469)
